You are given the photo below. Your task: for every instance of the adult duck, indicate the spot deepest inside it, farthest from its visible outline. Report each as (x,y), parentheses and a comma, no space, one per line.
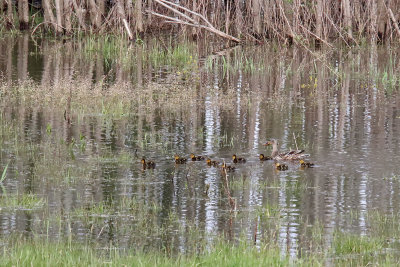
(290,155)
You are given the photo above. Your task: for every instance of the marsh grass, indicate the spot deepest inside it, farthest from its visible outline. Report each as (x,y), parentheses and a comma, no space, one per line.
(21,202)
(347,249)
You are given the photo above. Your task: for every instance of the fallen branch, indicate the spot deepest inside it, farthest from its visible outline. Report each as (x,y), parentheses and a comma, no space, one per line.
(189,21)
(393,18)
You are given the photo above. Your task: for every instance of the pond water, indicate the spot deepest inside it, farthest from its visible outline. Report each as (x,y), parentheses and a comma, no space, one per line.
(83,114)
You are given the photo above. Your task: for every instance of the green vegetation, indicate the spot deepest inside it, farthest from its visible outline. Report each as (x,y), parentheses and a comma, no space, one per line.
(347,250)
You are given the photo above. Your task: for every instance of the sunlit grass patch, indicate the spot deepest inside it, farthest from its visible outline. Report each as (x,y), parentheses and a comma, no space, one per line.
(347,244)
(21,202)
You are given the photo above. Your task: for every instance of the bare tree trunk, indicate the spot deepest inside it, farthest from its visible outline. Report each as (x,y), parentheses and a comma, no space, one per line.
(59,7)
(374,20)
(227,16)
(121,14)
(267,22)
(319,14)
(238,18)
(382,21)
(347,18)
(99,68)
(296,16)
(139,17)
(149,17)
(22,65)
(79,15)
(101,9)
(9,68)
(67,16)
(393,18)
(139,65)
(23,14)
(10,14)
(195,31)
(49,16)
(95,16)
(256,12)
(47,60)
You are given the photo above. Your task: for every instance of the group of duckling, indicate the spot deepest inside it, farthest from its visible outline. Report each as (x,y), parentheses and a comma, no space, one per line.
(293,155)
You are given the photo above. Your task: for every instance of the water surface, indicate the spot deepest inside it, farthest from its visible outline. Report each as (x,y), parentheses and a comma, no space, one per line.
(76,140)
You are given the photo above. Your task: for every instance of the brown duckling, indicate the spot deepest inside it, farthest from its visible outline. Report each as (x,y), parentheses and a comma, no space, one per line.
(281,167)
(148,164)
(304,164)
(227,168)
(262,157)
(179,160)
(196,158)
(212,162)
(238,160)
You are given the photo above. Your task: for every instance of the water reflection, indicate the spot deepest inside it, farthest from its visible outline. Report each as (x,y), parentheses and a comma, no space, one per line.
(338,110)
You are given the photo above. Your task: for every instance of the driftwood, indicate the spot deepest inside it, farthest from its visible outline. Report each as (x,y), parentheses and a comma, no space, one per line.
(186,20)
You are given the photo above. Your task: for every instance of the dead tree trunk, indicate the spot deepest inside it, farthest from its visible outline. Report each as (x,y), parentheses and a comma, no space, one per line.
(319,14)
(256,12)
(138,17)
(95,16)
(347,18)
(195,31)
(79,14)
(59,14)
(121,14)
(67,16)
(49,17)
(101,9)
(238,18)
(23,14)
(10,16)
(374,20)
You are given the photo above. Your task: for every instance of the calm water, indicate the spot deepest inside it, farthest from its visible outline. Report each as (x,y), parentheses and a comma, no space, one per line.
(343,108)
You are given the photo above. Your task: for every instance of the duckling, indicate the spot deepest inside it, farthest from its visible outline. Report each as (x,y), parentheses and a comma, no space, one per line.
(179,160)
(262,157)
(304,164)
(148,164)
(227,168)
(196,158)
(281,167)
(238,160)
(212,162)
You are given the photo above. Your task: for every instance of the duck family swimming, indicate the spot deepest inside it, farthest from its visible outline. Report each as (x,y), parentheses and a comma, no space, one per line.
(278,157)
